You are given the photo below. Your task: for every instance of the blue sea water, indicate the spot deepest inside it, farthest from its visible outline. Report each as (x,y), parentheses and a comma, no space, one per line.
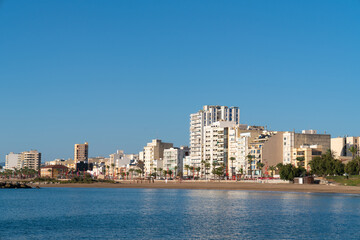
(91,213)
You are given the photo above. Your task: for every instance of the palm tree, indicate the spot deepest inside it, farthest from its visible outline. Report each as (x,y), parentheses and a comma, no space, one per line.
(155,169)
(219,171)
(260,166)
(160,170)
(108,167)
(176,167)
(202,166)
(272,169)
(232,159)
(113,169)
(353,150)
(170,172)
(198,170)
(165,172)
(300,161)
(207,167)
(192,170)
(187,167)
(250,159)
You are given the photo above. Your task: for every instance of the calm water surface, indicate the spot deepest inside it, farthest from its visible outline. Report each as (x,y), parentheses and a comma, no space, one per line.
(82,213)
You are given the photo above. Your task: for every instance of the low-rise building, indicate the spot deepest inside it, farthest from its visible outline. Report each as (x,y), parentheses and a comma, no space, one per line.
(341,147)
(54,171)
(303,155)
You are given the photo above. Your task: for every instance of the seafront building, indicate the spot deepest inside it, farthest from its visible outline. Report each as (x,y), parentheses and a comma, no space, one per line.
(69,163)
(271,148)
(12,161)
(341,146)
(216,144)
(152,155)
(81,155)
(28,159)
(203,118)
(174,159)
(54,171)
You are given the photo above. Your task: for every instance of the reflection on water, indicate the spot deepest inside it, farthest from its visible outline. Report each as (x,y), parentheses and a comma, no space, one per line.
(66,213)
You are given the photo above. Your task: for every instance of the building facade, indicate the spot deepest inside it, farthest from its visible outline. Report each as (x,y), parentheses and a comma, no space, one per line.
(203,118)
(12,161)
(174,159)
(30,159)
(153,154)
(341,146)
(81,156)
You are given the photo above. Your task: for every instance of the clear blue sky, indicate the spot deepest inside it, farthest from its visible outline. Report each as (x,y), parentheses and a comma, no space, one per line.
(120,73)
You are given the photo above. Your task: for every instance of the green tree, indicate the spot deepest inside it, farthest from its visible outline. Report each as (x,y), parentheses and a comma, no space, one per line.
(300,161)
(219,170)
(192,170)
(198,171)
(353,150)
(187,167)
(170,172)
(272,169)
(108,167)
(207,168)
(250,159)
(113,169)
(326,165)
(352,167)
(289,172)
(232,159)
(260,166)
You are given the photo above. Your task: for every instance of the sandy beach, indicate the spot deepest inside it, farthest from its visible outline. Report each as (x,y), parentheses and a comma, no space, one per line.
(316,188)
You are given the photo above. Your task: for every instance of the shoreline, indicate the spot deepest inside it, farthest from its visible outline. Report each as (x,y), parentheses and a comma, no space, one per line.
(276,187)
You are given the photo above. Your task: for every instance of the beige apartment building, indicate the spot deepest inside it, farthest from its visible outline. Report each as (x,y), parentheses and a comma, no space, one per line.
(81,153)
(340,147)
(272,147)
(30,159)
(153,154)
(303,155)
(307,137)
(68,163)
(54,171)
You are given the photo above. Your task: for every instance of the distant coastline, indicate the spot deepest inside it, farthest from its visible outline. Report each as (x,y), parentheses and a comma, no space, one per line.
(312,188)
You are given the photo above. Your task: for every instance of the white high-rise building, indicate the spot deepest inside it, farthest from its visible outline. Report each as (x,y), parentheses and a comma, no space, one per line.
(203,118)
(13,160)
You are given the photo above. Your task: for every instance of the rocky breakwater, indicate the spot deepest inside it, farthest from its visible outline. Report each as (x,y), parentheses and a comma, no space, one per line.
(13,185)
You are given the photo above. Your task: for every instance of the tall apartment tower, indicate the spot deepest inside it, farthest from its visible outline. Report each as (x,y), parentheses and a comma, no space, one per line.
(81,155)
(204,118)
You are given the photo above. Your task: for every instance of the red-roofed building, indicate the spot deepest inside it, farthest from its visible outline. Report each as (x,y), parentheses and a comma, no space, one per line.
(54,171)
